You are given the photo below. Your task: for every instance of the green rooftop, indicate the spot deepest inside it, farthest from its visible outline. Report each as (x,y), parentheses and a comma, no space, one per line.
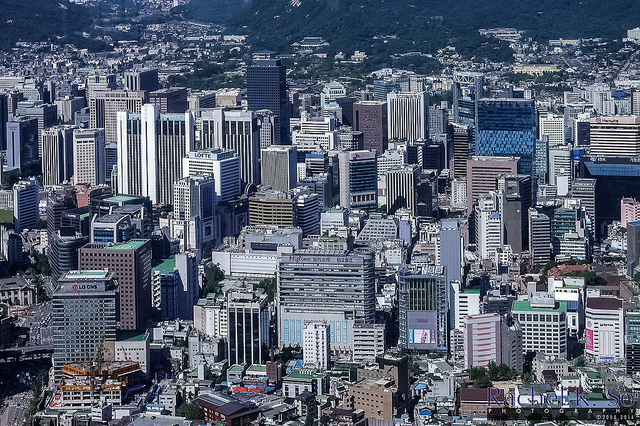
(166,267)
(472,291)
(525,306)
(258,368)
(6,216)
(299,375)
(135,336)
(84,215)
(131,245)
(120,199)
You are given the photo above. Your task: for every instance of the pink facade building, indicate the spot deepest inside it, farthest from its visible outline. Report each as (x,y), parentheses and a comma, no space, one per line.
(629,211)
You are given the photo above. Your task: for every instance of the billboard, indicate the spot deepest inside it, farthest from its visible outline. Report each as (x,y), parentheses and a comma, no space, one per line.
(588,339)
(422,330)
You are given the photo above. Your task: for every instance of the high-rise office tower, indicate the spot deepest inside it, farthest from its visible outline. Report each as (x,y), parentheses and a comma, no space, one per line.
(633,246)
(84,317)
(370,118)
(89,153)
(358,180)
(615,136)
(307,207)
(267,89)
(223,164)
(279,167)
(462,148)
(487,338)
(632,341)
(99,83)
(584,189)
(438,120)
(407,116)
(543,323)
(22,145)
(175,287)
(142,79)
(47,115)
(63,251)
(193,213)
(539,238)
(313,134)
(236,130)
(267,123)
(559,159)
(248,327)
(171,100)
(507,127)
(517,193)
(450,253)
(483,173)
(57,158)
(306,293)
(130,264)
(467,88)
(541,161)
(604,330)
(489,223)
(382,87)
(105,105)
(25,205)
(422,305)
(553,127)
(402,184)
(4,118)
(151,147)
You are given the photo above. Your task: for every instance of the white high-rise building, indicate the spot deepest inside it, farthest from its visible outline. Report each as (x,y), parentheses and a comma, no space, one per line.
(543,323)
(223,164)
(151,147)
(604,329)
(467,302)
(237,130)
(279,167)
(407,116)
(57,155)
(90,158)
(402,185)
(559,164)
(552,125)
(316,345)
(615,136)
(489,225)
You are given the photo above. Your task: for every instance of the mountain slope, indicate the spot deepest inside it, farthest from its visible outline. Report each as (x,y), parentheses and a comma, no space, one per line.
(352,23)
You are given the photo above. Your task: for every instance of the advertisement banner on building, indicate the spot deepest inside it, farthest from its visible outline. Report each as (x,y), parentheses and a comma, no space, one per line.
(422,329)
(588,339)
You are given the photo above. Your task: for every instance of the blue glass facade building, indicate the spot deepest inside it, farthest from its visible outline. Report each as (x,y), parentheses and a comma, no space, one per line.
(507,127)
(267,89)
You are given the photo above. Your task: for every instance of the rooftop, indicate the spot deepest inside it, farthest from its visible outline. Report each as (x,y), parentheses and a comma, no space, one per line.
(525,305)
(166,267)
(120,198)
(131,245)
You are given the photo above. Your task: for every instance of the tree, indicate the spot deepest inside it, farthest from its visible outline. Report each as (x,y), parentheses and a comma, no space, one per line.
(527,379)
(190,411)
(269,286)
(579,362)
(213,275)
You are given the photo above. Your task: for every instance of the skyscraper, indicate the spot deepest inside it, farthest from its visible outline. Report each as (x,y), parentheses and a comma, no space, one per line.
(462,148)
(22,146)
(104,109)
(4,118)
(307,284)
(193,213)
(151,147)
(170,100)
(539,238)
(89,153)
(467,89)
(451,249)
(422,306)
(517,193)
(407,116)
(358,180)
(141,79)
(223,164)
(615,136)
(25,205)
(248,327)
(489,223)
(370,118)
(279,167)
(57,158)
(236,130)
(402,184)
(507,127)
(130,264)
(553,127)
(483,173)
(46,114)
(84,317)
(267,89)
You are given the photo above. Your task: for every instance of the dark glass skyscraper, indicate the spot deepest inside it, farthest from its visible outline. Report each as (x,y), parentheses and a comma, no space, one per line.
(507,127)
(267,89)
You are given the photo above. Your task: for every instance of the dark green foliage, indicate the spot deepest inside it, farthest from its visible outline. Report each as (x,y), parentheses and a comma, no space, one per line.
(579,362)
(500,372)
(212,277)
(269,286)
(480,377)
(423,26)
(527,379)
(190,411)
